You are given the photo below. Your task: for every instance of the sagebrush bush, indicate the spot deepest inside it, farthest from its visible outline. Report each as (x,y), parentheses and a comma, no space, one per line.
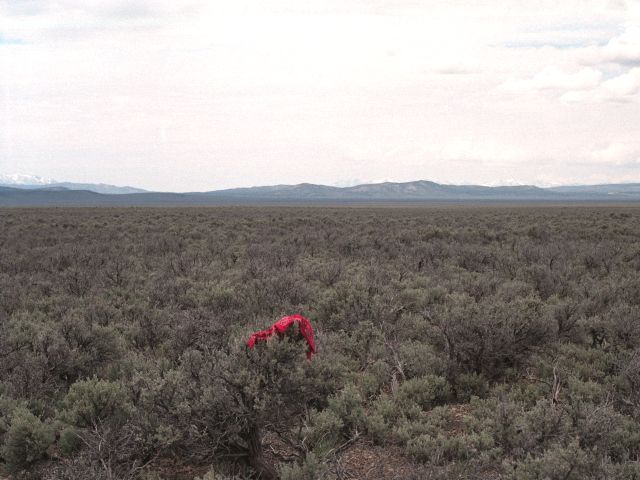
(557,463)
(325,430)
(426,392)
(90,402)
(347,406)
(26,440)
(442,449)
(69,441)
(311,468)
(468,385)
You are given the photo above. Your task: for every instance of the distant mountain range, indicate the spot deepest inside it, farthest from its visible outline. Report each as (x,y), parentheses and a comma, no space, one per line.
(64,193)
(418,190)
(33,182)
(423,190)
(92,187)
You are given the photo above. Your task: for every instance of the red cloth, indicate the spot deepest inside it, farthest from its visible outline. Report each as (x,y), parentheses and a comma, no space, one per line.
(281,326)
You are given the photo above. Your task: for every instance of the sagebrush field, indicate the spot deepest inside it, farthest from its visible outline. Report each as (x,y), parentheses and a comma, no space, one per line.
(453,342)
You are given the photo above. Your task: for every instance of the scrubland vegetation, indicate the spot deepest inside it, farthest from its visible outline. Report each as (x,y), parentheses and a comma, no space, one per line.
(472,343)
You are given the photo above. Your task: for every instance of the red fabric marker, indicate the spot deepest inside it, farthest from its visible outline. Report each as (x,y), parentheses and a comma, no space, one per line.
(281,326)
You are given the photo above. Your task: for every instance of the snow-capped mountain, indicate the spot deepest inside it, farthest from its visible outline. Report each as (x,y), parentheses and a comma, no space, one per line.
(21,179)
(34,182)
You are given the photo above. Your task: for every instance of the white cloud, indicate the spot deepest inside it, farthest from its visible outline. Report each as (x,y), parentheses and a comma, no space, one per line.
(456,67)
(623,49)
(609,77)
(49,21)
(622,88)
(553,78)
(625,85)
(617,154)
(485,152)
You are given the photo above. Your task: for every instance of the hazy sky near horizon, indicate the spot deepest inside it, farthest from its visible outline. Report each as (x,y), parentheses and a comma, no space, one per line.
(196,95)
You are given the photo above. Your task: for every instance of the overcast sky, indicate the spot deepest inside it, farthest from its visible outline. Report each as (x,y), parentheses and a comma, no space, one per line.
(195,95)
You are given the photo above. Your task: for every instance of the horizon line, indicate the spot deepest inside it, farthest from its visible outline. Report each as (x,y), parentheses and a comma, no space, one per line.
(51,182)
